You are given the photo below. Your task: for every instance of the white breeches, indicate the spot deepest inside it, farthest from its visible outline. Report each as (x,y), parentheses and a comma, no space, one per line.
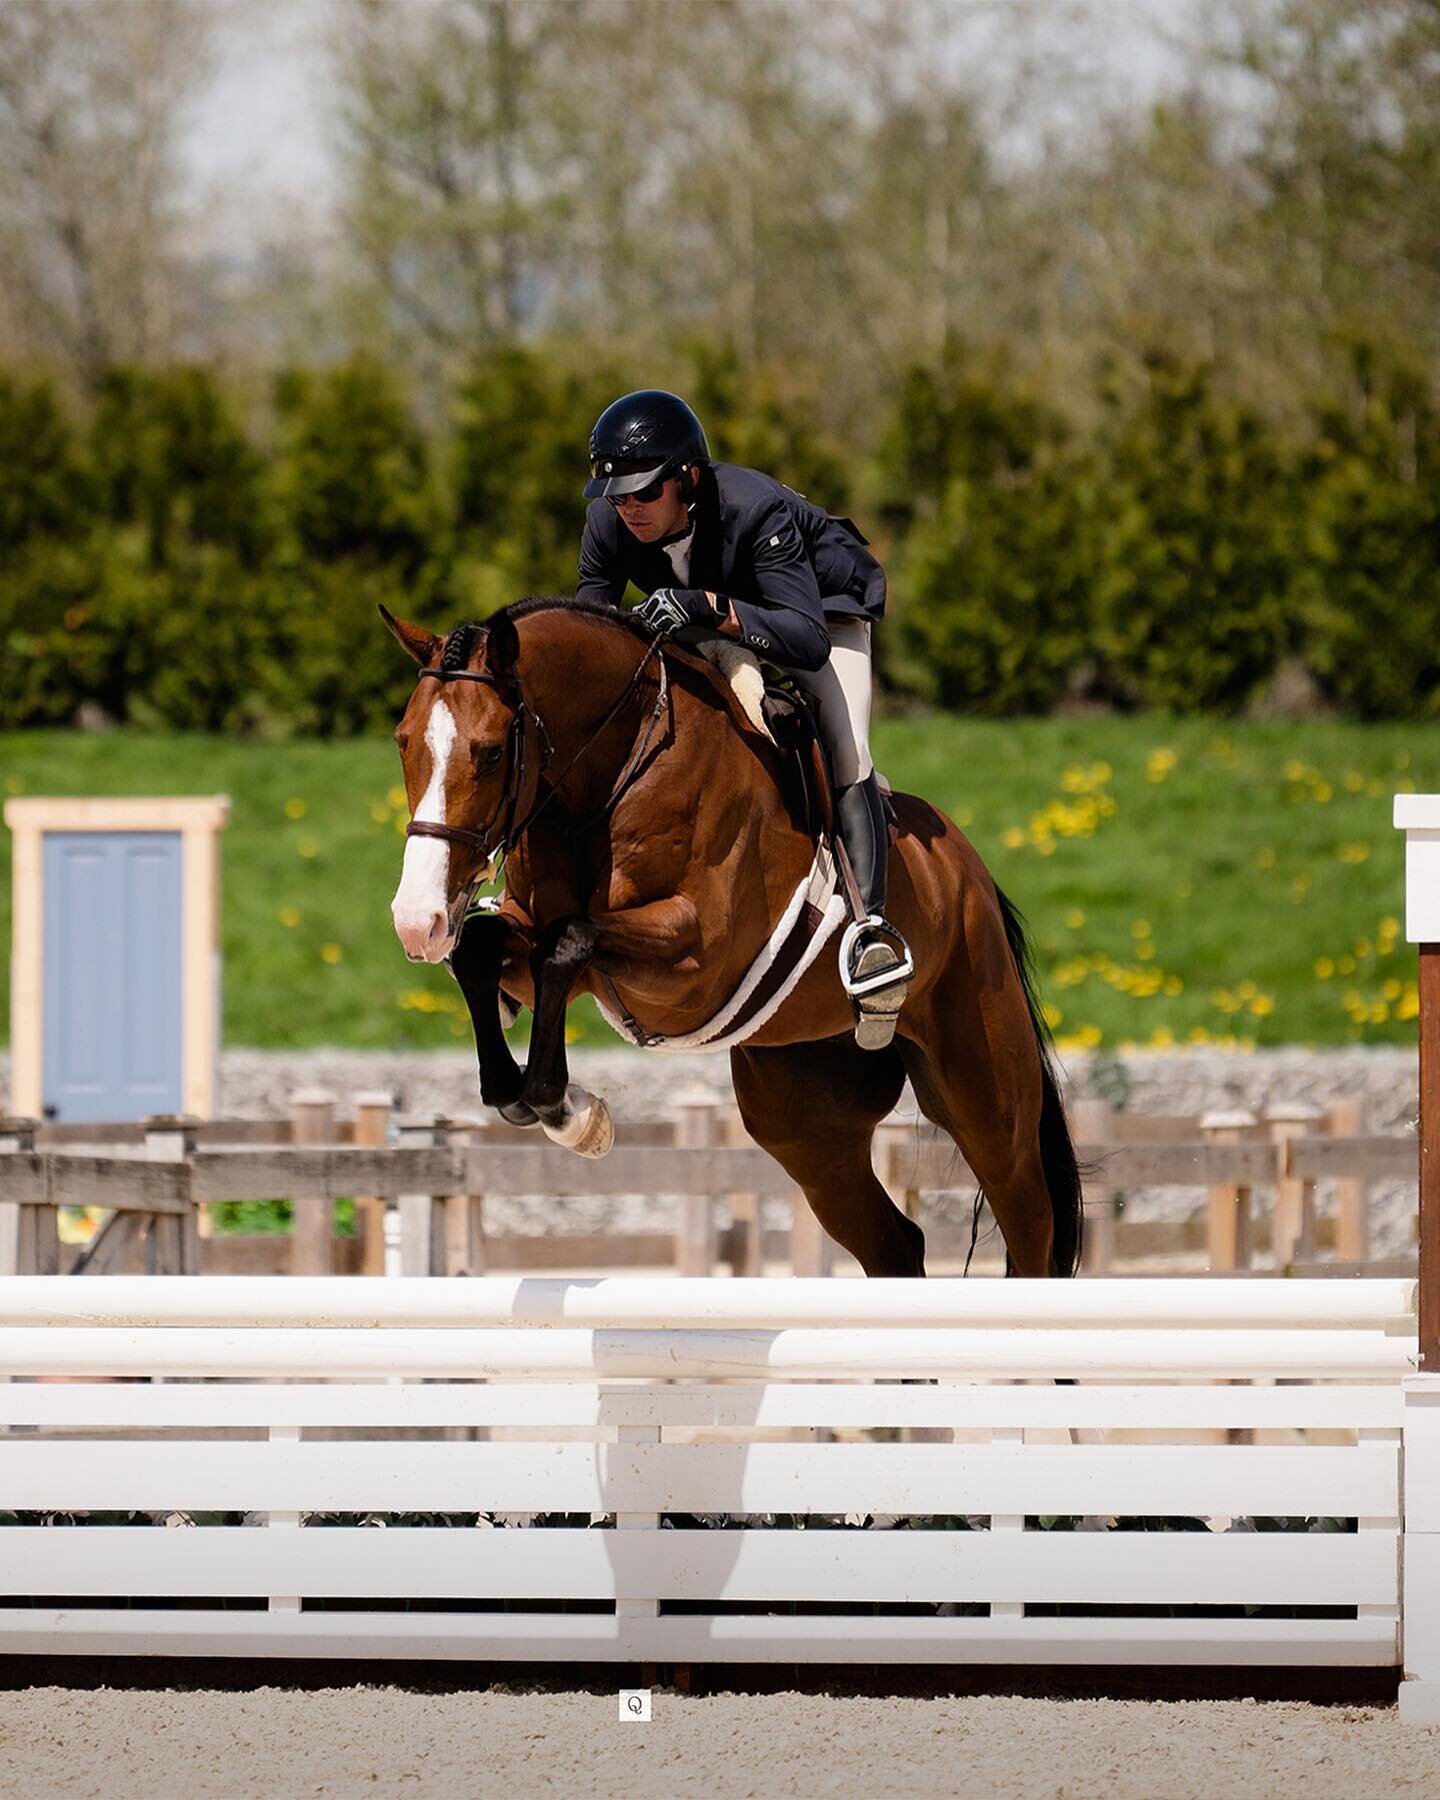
(841,692)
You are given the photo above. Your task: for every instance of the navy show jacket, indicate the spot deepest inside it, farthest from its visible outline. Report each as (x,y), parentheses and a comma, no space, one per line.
(784,564)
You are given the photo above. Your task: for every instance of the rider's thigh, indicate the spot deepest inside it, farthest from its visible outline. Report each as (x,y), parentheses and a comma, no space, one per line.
(841,691)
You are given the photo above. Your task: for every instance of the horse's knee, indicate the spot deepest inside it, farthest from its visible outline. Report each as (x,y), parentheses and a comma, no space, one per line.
(564,951)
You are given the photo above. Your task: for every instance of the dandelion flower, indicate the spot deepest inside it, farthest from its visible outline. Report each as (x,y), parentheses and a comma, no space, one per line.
(295,809)
(331,953)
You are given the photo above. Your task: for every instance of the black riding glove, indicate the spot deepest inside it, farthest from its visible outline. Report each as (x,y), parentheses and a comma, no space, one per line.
(670,609)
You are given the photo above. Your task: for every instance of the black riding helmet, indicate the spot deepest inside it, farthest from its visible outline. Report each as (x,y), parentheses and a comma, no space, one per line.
(643,437)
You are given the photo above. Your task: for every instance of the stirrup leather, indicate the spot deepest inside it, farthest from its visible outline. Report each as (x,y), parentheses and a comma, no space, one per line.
(857,987)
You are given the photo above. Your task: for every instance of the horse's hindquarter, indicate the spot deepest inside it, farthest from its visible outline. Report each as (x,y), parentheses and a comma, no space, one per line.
(941,896)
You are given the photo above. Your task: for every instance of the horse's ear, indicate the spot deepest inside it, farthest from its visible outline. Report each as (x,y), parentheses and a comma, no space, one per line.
(423,645)
(502,646)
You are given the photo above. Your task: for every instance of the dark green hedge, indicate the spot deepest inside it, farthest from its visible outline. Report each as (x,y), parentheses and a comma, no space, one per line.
(171,558)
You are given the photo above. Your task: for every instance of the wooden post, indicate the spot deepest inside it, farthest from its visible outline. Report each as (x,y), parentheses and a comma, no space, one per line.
(313,1226)
(172,1246)
(1346,1119)
(1294,1228)
(464,1214)
(372,1131)
(1418,816)
(1429,1298)
(1092,1122)
(811,1250)
(896,1164)
(17,1138)
(743,1237)
(422,1223)
(1228,1237)
(695,1216)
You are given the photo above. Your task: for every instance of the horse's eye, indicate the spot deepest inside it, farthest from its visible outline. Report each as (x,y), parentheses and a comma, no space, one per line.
(490,759)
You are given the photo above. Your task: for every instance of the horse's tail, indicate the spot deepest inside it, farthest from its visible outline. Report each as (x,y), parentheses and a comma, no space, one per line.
(1057,1152)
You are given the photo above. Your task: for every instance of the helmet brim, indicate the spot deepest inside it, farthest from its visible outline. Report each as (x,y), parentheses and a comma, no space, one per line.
(612,487)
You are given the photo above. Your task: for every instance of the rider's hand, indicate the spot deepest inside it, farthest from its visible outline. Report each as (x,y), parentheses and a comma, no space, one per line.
(670,609)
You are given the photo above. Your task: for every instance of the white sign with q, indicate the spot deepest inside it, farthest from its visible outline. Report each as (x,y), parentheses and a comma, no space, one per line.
(634,1706)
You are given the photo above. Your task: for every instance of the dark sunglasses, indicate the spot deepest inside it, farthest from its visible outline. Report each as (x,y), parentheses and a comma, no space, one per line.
(645,496)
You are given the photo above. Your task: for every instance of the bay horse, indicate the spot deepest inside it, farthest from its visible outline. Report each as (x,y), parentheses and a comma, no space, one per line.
(652,842)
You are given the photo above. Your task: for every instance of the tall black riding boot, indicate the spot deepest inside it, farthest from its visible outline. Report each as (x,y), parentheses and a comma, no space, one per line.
(875,963)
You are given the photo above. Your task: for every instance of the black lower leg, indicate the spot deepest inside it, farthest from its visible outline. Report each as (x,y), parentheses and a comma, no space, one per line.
(860,814)
(475,962)
(557,963)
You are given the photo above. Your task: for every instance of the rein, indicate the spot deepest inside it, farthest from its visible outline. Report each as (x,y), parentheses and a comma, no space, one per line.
(495,840)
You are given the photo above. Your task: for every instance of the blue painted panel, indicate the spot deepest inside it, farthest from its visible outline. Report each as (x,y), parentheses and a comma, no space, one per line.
(112,1044)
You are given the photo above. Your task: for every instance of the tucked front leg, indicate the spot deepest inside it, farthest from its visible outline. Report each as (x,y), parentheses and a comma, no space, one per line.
(664,932)
(475,962)
(570,1114)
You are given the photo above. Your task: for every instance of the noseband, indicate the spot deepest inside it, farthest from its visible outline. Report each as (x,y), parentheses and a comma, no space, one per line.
(502,832)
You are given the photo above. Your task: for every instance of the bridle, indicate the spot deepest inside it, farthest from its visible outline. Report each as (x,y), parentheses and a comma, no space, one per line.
(503,831)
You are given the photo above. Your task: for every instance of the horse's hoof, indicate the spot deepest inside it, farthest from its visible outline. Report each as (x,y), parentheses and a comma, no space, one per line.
(518,1113)
(589,1130)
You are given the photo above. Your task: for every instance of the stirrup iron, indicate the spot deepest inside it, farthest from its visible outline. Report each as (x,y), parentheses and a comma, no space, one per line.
(894,974)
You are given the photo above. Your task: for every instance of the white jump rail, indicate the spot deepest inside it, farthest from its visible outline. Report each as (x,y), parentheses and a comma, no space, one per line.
(627,1402)
(668,1303)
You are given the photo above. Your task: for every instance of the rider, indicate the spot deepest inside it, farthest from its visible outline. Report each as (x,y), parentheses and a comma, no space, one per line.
(723,550)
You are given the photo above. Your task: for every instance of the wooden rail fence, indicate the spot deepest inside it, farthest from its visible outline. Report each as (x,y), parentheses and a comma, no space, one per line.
(431,1179)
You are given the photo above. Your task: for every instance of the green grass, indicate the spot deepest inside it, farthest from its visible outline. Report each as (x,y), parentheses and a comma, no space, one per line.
(1247,873)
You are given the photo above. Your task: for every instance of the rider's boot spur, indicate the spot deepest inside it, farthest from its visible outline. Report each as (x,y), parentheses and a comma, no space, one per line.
(875,961)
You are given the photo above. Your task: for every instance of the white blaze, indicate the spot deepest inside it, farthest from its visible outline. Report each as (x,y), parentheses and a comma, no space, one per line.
(419,906)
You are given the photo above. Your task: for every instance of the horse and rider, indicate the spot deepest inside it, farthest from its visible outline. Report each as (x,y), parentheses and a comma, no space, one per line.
(656,857)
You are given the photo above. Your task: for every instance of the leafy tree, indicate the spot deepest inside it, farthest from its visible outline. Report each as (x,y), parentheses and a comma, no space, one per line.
(91,98)
(172,458)
(764,416)
(994,579)
(1371,570)
(43,487)
(1195,547)
(521,430)
(353,475)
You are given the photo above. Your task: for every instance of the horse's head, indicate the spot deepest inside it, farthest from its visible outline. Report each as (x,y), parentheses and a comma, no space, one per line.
(460,743)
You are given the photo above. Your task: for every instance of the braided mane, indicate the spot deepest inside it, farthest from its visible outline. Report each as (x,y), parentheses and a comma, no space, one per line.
(459,647)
